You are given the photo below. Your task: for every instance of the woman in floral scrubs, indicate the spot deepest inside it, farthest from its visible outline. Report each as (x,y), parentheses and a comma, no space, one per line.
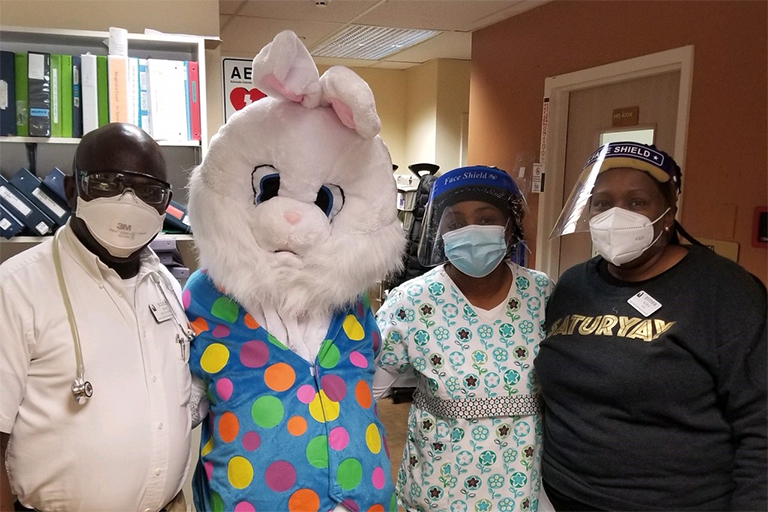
(469,330)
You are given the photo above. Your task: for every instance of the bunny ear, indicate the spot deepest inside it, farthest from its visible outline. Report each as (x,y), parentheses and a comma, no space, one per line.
(351,99)
(284,69)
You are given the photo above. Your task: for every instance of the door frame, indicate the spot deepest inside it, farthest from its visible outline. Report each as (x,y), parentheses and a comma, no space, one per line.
(557,90)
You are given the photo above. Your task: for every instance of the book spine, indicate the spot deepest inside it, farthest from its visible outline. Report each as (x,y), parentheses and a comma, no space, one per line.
(22,95)
(55,95)
(102,85)
(66,96)
(77,105)
(39,78)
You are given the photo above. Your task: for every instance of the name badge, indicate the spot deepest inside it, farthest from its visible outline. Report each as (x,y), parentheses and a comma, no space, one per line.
(161,311)
(644,303)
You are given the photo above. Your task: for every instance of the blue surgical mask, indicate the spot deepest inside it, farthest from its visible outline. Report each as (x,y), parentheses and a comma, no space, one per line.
(475,250)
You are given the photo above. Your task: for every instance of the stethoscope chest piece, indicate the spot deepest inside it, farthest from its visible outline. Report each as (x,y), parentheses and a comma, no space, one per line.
(81,391)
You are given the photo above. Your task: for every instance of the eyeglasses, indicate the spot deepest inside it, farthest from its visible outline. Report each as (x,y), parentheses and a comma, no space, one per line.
(110,183)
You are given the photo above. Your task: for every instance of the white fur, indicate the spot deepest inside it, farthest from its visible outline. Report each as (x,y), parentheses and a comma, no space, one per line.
(324,264)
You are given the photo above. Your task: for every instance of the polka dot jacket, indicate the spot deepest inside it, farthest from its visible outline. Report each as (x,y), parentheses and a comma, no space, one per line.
(284,434)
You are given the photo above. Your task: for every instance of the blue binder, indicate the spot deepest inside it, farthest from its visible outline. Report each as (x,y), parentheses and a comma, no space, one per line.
(7,93)
(23,209)
(39,73)
(10,226)
(48,203)
(55,183)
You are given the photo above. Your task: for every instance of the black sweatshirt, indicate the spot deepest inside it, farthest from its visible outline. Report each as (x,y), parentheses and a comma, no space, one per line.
(665,412)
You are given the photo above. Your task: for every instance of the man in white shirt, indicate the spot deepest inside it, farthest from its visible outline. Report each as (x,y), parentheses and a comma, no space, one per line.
(126,447)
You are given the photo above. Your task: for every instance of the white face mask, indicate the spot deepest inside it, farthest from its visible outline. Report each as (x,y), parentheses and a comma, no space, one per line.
(620,236)
(121,224)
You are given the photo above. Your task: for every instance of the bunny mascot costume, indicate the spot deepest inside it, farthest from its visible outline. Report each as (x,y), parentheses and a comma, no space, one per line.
(294,215)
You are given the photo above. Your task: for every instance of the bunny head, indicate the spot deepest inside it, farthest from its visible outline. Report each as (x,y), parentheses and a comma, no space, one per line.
(294,204)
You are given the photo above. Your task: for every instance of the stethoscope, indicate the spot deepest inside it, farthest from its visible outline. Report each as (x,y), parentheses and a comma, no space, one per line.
(82,389)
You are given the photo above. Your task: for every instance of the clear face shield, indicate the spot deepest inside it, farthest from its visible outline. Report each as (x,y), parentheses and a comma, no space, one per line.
(483,196)
(575,215)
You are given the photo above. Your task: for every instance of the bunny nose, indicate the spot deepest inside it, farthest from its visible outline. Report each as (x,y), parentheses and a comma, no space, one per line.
(292,216)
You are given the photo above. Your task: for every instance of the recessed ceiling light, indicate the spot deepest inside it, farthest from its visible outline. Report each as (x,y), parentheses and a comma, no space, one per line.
(371,43)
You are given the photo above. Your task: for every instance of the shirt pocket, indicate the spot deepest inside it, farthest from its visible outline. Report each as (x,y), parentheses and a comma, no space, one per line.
(183,375)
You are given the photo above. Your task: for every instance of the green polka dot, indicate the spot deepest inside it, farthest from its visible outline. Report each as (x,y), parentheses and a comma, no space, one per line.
(226,309)
(329,355)
(276,342)
(349,474)
(317,452)
(267,411)
(217,504)
(393,503)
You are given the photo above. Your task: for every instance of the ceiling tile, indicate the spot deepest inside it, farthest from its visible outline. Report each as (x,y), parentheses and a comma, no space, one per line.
(337,11)
(246,35)
(447,45)
(435,15)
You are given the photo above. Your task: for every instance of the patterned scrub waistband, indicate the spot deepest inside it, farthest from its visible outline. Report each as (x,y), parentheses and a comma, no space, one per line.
(476,408)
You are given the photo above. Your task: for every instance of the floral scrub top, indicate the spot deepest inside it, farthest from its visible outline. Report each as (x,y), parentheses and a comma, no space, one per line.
(473,359)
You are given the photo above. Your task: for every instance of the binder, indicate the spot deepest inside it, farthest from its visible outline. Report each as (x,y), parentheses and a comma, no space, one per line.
(194,101)
(55,95)
(89,92)
(39,95)
(7,93)
(176,218)
(77,95)
(66,96)
(145,123)
(54,182)
(48,203)
(167,99)
(133,91)
(10,226)
(102,86)
(118,88)
(22,95)
(23,209)
(186,100)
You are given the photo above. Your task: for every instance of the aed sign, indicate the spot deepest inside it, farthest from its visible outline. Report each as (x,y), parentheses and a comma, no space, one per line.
(238,90)
(627,116)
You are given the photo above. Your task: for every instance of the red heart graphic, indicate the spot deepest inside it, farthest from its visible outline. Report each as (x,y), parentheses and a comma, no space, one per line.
(239,97)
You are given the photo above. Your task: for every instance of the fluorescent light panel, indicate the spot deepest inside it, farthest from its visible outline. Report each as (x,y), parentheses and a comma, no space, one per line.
(371,43)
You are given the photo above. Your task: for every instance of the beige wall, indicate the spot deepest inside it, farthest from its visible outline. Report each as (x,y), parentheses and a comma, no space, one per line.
(726,174)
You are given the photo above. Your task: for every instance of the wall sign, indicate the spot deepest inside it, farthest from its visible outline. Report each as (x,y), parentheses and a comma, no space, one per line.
(627,116)
(238,89)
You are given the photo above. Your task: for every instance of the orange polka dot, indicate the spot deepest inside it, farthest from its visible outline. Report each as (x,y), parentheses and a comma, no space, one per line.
(279,377)
(376,508)
(251,322)
(363,394)
(229,427)
(199,325)
(297,425)
(304,500)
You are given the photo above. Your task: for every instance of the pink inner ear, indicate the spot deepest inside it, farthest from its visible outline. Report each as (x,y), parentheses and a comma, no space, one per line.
(344,113)
(272,81)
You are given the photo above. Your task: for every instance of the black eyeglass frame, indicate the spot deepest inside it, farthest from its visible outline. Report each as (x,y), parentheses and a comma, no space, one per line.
(82,174)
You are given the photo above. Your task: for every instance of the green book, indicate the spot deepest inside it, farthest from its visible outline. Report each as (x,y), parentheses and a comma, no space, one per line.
(66,96)
(102,86)
(55,95)
(22,95)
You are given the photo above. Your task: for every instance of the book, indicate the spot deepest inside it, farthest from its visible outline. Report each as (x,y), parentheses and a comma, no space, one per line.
(48,203)
(167,99)
(22,95)
(118,89)
(194,101)
(89,92)
(144,121)
(39,93)
(133,91)
(176,218)
(102,86)
(55,95)
(10,226)
(54,182)
(66,96)
(7,93)
(23,209)
(77,106)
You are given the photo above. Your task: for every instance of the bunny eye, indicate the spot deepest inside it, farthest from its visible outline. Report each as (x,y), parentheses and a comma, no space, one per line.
(265,181)
(330,199)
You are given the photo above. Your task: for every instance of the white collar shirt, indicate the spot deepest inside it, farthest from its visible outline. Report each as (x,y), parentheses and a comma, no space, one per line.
(128,447)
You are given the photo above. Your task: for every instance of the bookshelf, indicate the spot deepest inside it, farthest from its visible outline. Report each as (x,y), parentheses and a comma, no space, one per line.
(181,156)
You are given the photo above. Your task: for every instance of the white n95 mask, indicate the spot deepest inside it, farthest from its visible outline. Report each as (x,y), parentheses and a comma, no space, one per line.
(121,224)
(620,236)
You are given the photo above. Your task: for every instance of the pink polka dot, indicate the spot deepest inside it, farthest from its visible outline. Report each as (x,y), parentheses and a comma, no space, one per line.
(224,388)
(306,394)
(220,331)
(244,506)
(208,470)
(186,298)
(254,354)
(280,476)
(351,505)
(358,359)
(378,478)
(376,340)
(338,439)
(251,441)
(334,386)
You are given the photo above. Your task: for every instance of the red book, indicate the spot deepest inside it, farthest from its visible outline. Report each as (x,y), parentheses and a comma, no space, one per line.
(194,99)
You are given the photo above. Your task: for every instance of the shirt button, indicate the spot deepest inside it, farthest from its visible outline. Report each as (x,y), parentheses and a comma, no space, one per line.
(154,379)
(160,426)
(157,472)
